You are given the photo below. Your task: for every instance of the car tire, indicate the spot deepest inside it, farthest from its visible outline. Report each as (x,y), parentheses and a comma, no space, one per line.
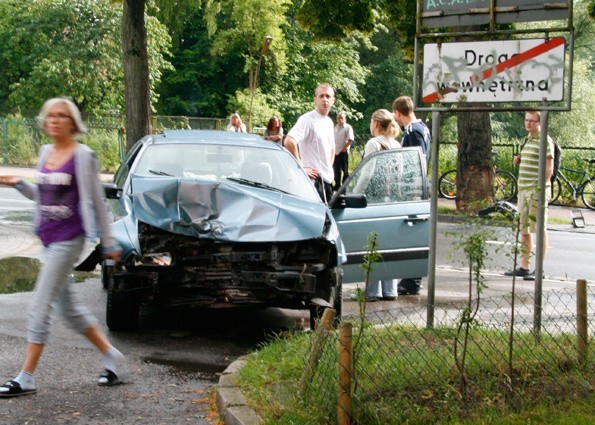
(122,309)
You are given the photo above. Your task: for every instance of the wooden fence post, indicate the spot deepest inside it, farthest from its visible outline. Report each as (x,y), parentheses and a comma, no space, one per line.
(582,327)
(345,371)
(326,323)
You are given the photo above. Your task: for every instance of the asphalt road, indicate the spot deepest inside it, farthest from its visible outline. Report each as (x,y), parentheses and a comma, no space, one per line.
(175,361)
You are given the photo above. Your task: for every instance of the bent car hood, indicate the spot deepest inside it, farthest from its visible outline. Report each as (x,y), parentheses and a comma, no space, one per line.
(225,211)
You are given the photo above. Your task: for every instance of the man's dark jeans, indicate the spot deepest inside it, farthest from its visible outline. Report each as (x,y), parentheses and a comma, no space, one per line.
(325,190)
(341,168)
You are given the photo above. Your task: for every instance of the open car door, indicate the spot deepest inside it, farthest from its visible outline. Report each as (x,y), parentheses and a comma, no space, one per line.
(398,210)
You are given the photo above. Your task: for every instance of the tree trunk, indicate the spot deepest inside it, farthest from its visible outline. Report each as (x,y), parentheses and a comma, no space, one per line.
(475,165)
(136,71)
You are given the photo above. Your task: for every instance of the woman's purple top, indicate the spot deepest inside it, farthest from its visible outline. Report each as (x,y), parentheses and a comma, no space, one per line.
(59,200)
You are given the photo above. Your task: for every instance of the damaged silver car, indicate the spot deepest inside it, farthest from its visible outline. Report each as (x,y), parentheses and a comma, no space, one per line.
(217,219)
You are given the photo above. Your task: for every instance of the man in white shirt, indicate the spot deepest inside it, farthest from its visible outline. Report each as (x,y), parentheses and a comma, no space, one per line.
(343,139)
(312,141)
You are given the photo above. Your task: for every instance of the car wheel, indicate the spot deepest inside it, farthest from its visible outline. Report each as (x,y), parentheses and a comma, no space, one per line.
(331,291)
(122,309)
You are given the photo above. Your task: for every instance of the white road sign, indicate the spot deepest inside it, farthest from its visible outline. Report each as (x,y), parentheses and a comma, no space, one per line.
(494,71)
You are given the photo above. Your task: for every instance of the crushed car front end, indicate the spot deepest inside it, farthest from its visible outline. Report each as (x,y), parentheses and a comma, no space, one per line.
(250,247)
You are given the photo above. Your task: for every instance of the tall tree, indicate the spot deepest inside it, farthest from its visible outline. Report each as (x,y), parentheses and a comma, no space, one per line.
(136,71)
(136,63)
(475,167)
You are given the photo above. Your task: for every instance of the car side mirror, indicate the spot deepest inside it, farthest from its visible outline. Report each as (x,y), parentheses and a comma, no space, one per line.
(112,191)
(352,200)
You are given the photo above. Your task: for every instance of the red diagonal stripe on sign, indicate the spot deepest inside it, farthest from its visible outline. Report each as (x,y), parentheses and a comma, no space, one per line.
(520,58)
(509,63)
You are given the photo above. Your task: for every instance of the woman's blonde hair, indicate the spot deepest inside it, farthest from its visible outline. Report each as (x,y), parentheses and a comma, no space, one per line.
(73,110)
(386,120)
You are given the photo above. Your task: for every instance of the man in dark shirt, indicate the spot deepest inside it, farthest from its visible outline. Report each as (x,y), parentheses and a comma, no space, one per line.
(415,133)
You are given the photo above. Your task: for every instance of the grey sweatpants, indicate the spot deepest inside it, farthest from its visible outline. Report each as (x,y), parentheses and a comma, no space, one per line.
(53,289)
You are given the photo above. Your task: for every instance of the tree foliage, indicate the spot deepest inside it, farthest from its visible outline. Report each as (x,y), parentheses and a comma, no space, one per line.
(315,62)
(73,48)
(213,65)
(575,128)
(335,19)
(54,48)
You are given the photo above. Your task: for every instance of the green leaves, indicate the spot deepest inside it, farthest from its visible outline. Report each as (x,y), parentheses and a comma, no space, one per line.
(72,48)
(336,19)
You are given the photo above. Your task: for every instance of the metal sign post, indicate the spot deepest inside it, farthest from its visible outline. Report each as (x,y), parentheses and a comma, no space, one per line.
(492,74)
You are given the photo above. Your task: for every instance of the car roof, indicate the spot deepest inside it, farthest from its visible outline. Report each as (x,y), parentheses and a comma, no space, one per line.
(210,136)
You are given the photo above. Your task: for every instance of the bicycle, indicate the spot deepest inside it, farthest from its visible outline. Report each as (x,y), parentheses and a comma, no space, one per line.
(585,187)
(504,183)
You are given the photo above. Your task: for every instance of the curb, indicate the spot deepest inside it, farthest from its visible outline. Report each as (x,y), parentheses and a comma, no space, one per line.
(231,403)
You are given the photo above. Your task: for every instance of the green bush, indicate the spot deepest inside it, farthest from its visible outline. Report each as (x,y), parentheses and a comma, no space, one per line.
(20,141)
(105,143)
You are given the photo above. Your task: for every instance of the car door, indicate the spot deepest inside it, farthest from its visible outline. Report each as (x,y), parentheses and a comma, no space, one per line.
(398,210)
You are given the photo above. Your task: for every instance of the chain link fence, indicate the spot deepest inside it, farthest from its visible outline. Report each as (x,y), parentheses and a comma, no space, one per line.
(21,137)
(403,372)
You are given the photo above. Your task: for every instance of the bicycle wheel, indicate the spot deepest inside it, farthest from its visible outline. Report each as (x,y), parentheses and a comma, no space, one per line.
(447,184)
(588,194)
(556,190)
(504,186)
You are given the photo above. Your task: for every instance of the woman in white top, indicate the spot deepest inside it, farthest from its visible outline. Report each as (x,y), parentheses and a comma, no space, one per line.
(236,124)
(385,129)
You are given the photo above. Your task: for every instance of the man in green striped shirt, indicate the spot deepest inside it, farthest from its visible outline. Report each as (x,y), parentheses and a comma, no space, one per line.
(528,195)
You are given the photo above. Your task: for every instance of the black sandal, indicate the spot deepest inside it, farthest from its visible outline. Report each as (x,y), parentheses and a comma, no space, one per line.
(15,390)
(108,378)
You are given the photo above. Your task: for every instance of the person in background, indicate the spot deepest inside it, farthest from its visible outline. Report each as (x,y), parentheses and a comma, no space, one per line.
(384,130)
(69,207)
(528,196)
(274,130)
(312,141)
(415,133)
(236,124)
(343,140)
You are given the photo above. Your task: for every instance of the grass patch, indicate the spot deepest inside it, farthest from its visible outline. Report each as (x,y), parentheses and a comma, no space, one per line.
(18,216)
(407,375)
(18,274)
(557,220)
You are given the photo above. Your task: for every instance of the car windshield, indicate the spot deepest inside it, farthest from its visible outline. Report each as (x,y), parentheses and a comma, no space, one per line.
(247,165)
